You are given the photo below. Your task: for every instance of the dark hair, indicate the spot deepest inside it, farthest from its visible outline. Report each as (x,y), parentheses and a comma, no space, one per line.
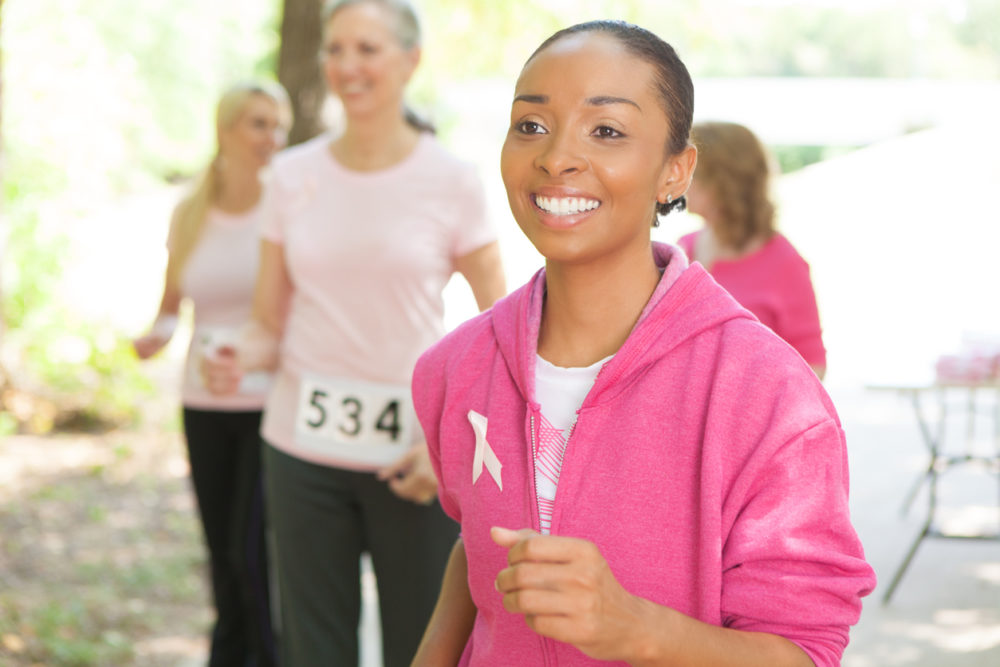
(673,82)
(406,29)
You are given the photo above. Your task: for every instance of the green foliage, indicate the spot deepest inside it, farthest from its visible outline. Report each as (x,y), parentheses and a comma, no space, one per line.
(734,38)
(101,98)
(792,158)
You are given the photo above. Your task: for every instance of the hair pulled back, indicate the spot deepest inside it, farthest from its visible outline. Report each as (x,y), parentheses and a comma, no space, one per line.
(191,212)
(672,80)
(406,30)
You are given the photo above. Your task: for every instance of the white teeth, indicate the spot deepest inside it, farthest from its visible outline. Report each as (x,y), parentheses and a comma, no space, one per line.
(565,205)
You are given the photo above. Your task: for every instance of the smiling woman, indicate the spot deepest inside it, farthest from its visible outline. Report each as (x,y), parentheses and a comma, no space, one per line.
(668,482)
(364,231)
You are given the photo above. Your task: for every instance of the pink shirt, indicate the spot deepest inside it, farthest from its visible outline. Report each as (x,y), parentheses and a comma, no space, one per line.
(707,464)
(219,278)
(773,283)
(369,254)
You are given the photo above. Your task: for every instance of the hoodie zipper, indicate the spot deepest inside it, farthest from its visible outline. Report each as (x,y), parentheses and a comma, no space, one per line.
(548,651)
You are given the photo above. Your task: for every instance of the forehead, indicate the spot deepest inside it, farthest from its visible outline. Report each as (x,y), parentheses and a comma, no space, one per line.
(587,64)
(360,20)
(260,105)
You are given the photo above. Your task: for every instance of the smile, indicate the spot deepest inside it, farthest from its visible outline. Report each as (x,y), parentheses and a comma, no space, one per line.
(353,88)
(565,205)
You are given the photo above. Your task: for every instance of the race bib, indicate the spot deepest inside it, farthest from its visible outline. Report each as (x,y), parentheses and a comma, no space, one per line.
(362,422)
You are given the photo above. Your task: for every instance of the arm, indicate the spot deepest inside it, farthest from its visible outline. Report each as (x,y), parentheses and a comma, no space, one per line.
(483,269)
(451,623)
(412,477)
(800,324)
(257,347)
(566,591)
(162,329)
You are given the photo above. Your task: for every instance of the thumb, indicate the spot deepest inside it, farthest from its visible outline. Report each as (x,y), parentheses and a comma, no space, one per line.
(506,538)
(398,468)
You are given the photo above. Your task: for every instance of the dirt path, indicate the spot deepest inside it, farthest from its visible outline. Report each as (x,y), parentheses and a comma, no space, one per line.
(101,559)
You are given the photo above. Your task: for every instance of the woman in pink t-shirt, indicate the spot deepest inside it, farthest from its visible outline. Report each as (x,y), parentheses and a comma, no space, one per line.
(740,246)
(213,248)
(364,229)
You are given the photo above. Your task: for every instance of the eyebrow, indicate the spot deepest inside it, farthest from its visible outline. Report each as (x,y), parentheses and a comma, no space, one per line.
(598,101)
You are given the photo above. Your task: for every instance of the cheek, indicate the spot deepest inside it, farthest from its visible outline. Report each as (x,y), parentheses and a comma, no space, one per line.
(510,164)
(629,178)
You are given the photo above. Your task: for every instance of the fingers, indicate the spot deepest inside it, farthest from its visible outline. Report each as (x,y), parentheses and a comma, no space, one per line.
(220,371)
(506,538)
(526,545)
(148,345)
(411,478)
(414,489)
(397,469)
(535,602)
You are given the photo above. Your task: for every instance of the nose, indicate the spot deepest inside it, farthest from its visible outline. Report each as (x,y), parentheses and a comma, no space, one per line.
(560,156)
(346,62)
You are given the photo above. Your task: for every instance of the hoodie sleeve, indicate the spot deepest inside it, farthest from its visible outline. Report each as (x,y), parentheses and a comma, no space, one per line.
(792,562)
(428,389)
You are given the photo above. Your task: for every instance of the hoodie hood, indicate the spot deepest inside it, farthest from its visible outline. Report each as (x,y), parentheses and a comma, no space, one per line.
(685,303)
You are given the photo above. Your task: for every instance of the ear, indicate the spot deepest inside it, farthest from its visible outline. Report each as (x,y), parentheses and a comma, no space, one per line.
(413,59)
(677,174)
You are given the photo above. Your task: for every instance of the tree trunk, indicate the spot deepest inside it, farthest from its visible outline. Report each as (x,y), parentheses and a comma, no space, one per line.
(298,66)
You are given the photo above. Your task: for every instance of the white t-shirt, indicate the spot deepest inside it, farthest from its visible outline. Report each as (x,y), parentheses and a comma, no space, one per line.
(368,254)
(219,278)
(560,393)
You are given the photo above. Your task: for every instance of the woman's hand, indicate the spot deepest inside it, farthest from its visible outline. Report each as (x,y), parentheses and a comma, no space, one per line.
(565,590)
(412,477)
(221,371)
(162,330)
(148,345)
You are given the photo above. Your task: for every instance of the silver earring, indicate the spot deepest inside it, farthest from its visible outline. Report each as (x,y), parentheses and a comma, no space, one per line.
(670,199)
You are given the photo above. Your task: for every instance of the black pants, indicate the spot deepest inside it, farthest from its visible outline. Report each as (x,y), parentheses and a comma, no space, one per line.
(224,449)
(323,519)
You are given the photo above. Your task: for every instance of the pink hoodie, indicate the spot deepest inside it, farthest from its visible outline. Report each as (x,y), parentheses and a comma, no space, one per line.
(707,464)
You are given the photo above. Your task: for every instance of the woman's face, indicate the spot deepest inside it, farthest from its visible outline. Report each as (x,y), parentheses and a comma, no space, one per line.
(257,133)
(363,61)
(585,159)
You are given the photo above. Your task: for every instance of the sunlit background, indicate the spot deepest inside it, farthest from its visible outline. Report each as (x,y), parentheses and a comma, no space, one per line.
(882,113)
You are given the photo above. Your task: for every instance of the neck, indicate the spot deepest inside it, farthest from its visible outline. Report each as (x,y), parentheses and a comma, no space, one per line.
(377,142)
(590,309)
(709,249)
(239,187)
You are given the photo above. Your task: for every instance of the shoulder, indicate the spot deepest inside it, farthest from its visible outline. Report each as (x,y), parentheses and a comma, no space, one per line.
(470,339)
(292,161)
(774,380)
(434,159)
(780,247)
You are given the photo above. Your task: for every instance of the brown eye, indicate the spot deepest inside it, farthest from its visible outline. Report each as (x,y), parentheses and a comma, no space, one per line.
(529,127)
(605,132)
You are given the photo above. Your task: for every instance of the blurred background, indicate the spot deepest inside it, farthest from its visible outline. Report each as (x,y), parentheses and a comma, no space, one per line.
(882,114)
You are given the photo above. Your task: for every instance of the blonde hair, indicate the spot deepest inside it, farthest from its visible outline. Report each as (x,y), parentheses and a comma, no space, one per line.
(191,212)
(735,168)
